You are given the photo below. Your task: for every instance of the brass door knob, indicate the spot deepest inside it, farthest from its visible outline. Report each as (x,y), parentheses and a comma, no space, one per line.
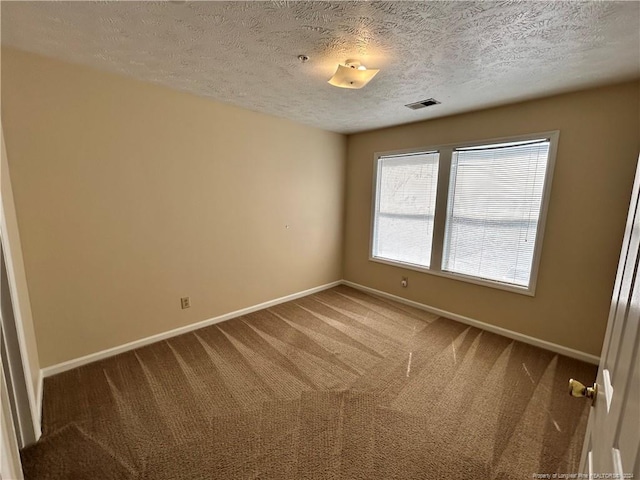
(577,389)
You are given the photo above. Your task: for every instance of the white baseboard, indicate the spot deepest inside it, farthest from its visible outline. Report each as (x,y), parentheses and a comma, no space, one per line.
(554,347)
(78,362)
(110,352)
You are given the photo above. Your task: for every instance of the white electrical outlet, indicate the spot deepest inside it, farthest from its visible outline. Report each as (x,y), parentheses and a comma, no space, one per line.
(185,302)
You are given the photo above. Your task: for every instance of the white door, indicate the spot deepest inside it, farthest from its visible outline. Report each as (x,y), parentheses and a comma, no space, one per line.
(612,441)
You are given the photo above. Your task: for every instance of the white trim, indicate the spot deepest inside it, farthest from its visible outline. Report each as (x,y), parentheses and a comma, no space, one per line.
(17,315)
(10,466)
(94,357)
(10,261)
(39,394)
(554,347)
(441,208)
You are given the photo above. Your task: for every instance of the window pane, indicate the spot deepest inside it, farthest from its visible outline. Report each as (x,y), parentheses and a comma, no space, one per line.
(405,206)
(495,196)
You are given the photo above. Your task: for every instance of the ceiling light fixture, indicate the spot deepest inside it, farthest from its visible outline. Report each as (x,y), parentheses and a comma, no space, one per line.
(352,75)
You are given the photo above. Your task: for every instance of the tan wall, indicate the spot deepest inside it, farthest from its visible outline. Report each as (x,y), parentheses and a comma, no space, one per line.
(597,154)
(130,196)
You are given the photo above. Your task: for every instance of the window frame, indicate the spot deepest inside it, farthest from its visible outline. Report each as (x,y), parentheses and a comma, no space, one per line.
(440,217)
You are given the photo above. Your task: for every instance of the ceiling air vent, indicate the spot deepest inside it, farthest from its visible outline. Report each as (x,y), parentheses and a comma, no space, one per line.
(423,104)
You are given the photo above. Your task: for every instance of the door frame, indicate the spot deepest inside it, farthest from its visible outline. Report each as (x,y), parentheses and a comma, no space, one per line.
(12,363)
(18,297)
(10,465)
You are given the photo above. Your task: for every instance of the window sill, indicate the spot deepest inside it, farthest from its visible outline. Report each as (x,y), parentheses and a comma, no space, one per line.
(528,291)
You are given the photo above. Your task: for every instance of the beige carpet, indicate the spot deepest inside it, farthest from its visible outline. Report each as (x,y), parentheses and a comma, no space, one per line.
(336,385)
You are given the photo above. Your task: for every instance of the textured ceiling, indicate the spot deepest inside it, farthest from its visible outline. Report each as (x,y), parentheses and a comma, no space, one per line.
(468,55)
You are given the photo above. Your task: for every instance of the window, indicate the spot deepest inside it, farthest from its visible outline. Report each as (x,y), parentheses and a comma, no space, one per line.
(405,207)
(472,211)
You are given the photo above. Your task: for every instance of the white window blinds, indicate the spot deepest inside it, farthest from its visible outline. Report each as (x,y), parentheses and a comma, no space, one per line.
(405,207)
(493,210)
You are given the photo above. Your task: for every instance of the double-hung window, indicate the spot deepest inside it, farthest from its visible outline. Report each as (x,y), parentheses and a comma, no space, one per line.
(405,207)
(472,211)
